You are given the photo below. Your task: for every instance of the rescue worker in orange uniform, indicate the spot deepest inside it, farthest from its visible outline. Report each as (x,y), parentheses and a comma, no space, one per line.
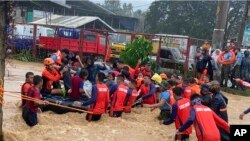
(146,70)
(50,76)
(99,99)
(205,121)
(179,114)
(147,92)
(118,93)
(131,96)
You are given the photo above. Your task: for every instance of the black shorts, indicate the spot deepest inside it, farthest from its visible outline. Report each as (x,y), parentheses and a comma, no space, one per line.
(29,117)
(164,115)
(45,92)
(117,113)
(181,137)
(93,117)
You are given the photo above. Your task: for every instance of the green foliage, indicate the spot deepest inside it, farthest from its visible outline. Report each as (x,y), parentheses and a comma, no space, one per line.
(24,55)
(140,48)
(244,92)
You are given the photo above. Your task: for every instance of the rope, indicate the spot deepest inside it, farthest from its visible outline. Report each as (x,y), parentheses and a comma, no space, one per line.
(1,92)
(49,103)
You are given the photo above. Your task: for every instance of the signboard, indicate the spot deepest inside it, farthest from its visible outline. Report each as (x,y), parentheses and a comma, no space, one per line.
(40,14)
(246,37)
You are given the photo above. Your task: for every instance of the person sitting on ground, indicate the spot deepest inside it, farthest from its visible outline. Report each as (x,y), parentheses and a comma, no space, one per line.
(163,104)
(31,108)
(205,121)
(179,114)
(145,70)
(147,91)
(111,80)
(99,99)
(50,77)
(243,83)
(130,97)
(27,85)
(118,93)
(195,88)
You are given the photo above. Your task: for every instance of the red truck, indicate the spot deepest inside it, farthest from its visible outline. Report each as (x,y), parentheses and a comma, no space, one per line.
(92,43)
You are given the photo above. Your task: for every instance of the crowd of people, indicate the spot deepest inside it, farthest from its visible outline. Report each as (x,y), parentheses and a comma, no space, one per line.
(117,89)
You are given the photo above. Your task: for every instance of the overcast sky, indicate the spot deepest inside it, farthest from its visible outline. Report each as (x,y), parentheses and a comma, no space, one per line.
(137,4)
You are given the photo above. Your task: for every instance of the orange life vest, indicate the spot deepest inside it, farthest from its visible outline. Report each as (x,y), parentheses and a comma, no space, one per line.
(59,57)
(118,98)
(129,101)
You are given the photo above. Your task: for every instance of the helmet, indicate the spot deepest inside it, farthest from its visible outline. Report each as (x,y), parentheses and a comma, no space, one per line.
(48,61)
(157,78)
(163,76)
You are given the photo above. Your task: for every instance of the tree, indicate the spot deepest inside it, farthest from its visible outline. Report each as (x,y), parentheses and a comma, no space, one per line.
(140,48)
(114,6)
(3,35)
(141,24)
(193,18)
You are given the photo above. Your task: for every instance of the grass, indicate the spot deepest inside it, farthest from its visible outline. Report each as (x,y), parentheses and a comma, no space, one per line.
(245,92)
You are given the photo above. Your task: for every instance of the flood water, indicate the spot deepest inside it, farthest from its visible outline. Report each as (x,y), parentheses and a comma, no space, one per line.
(140,125)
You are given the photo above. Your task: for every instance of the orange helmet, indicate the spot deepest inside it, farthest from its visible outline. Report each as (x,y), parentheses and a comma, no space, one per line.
(48,61)
(163,76)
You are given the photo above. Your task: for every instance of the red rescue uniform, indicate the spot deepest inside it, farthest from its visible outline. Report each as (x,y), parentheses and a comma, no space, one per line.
(50,76)
(143,71)
(183,112)
(118,98)
(145,89)
(206,129)
(129,101)
(102,101)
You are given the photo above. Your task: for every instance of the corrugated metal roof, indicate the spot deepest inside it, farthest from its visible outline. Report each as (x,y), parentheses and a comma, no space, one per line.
(70,21)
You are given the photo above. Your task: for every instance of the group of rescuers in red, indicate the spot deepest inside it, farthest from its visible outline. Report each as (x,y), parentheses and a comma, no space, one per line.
(185,102)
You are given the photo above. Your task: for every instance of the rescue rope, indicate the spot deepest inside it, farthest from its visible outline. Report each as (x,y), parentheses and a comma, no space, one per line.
(49,103)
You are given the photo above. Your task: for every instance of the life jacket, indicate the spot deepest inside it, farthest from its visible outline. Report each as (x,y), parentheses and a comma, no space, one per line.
(195,89)
(49,77)
(23,93)
(102,100)
(139,82)
(183,113)
(205,128)
(144,91)
(118,98)
(129,101)
(171,99)
(147,73)
(59,57)
(187,92)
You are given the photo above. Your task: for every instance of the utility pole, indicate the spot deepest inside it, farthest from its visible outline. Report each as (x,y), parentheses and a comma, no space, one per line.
(3,39)
(220,25)
(243,24)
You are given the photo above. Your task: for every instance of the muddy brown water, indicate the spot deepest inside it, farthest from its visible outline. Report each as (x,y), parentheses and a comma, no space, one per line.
(140,125)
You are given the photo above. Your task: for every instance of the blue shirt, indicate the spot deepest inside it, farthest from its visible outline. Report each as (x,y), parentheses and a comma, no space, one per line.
(166,96)
(226,56)
(239,56)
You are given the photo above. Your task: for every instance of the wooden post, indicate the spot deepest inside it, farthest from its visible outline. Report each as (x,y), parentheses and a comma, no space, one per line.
(159,51)
(34,41)
(3,38)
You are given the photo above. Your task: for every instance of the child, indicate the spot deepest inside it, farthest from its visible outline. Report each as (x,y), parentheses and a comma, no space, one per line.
(111,80)
(27,85)
(179,114)
(31,108)
(50,77)
(164,104)
(139,80)
(205,121)
(99,99)
(131,96)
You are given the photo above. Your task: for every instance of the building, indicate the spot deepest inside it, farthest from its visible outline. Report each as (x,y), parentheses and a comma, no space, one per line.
(29,11)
